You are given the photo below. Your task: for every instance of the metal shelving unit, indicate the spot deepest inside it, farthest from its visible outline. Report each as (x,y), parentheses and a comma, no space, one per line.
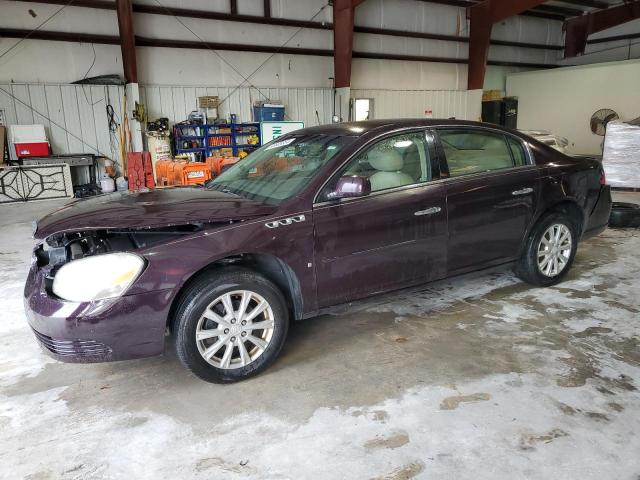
(203,136)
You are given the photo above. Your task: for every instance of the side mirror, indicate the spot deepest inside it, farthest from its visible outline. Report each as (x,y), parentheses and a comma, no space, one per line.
(350,187)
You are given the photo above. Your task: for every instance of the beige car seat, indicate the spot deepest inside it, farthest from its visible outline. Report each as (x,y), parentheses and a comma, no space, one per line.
(388,164)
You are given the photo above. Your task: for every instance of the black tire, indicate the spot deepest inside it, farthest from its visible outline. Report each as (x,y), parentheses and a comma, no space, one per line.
(624,215)
(199,295)
(527,267)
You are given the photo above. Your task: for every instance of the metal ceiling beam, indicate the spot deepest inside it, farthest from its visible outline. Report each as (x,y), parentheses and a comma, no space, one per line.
(482,16)
(235,47)
(531,13)
(578,29)
(587,3)
(127,40)
(208,15)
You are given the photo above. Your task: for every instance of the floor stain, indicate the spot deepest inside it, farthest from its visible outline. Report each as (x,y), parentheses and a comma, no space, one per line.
(451,403)
(403,473)
(218,463)
(568,409)
(588,332)
(597,416)
(615,406)
(380,416)
(528,441)
(393,441)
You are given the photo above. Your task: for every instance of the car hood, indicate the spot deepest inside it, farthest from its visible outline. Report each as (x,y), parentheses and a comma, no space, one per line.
(151,209)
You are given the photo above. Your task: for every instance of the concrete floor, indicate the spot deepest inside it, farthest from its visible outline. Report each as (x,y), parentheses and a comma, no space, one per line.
(477,377)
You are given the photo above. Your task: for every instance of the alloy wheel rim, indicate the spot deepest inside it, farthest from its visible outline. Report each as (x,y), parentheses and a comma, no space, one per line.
(235,329)
(554,250)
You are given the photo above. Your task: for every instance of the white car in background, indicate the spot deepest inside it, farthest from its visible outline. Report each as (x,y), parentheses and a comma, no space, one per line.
(548,138)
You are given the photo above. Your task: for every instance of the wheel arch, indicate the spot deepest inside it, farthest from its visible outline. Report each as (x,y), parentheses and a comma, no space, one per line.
(567,207)
(271,267)
(572,210)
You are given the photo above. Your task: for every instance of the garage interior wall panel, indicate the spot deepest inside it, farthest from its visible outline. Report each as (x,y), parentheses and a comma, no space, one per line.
(463,105)
(74,116)
(175,102)
(562,100)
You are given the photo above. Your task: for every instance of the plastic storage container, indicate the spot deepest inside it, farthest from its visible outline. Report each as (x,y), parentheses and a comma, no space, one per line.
(268,113)
(139,170)
(107,184)
(32,149)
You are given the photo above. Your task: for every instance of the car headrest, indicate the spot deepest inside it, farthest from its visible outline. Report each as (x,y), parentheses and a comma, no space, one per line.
(385,160)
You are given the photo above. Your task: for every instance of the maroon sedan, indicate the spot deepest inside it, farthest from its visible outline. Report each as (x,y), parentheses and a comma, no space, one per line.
(319,217)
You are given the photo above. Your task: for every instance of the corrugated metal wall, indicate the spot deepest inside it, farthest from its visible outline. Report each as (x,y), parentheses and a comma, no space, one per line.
(74,115)
(461,104)
(175,102)
(76,120)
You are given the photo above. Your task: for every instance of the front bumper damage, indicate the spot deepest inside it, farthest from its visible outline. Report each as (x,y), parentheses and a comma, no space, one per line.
(127,327)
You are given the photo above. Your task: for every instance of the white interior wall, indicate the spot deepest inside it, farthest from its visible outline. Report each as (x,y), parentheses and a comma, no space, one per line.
(562,100)
(463,105)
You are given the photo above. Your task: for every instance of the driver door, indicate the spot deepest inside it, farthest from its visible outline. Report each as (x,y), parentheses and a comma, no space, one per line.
(395,236)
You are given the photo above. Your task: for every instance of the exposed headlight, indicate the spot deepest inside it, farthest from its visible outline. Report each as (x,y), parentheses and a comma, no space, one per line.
(95,278)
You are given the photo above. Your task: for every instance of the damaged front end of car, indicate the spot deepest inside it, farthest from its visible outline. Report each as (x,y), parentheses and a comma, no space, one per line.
(97,264)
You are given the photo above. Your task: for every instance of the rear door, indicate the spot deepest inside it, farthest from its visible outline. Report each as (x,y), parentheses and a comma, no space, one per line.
(393,237)
(491,195)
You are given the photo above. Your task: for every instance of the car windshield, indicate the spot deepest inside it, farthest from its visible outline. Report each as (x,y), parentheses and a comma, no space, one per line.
(281,168)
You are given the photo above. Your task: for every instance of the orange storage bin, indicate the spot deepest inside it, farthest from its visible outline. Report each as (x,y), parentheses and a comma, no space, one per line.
(275,164)
(195,173)
(162,172)
(182,172)
(219,164)
(175,172)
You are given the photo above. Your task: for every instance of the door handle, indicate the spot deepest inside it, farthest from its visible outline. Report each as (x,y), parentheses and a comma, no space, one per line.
(428,211)
(524,191)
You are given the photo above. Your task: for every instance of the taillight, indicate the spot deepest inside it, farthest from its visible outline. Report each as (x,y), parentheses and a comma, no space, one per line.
(603,178)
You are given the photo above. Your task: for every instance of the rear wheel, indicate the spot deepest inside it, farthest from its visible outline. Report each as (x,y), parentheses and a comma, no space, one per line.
(229,325)
(549,251)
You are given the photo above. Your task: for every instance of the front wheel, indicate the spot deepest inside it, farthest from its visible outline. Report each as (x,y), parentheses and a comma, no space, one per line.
(549,251)
(230,325)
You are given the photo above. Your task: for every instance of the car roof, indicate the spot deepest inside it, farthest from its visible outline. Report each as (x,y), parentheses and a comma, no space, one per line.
(356,129)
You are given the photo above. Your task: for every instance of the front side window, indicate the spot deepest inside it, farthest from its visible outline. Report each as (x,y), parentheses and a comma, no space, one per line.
(474,151)
(280,169)
(393,162)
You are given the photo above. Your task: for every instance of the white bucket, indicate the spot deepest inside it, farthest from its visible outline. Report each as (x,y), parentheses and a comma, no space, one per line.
(107,184)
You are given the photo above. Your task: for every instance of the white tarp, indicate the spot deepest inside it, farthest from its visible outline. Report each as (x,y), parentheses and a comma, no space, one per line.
(621,156)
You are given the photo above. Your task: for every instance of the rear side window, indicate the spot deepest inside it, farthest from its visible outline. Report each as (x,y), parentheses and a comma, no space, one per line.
(519,157)
(474,151)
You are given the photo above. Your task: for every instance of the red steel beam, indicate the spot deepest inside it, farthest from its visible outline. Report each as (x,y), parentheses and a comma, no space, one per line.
(343,13)
(127,40)
(482,16)
(578,29)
